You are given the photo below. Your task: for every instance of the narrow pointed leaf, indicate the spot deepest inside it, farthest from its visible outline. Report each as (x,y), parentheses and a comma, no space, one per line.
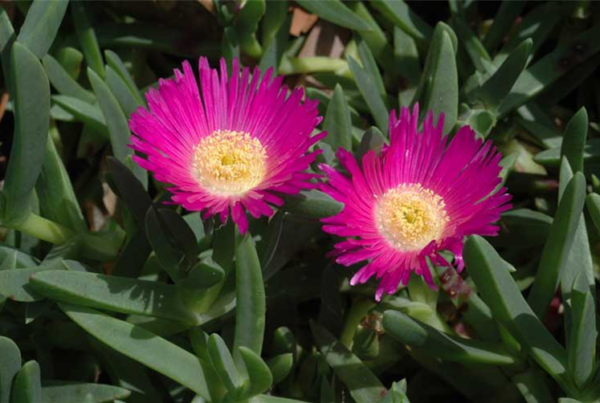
(143,346)
(84,112)
(280,366)
(83,392)
(312,204)
(119,294)
(222,362)
(368,89)
(493,91)
(582,339)
(558,245)
(503,22)
(260,378)
(433,342)
(502,295)
(399,13)
(87,37)
(575,136)
(28,386)
(249,316)
(41,25)
(114,61)
(55,192)
(14,284)
(115,120)
(32,121)
(62,81)
(364,386)
(441,92)
(335,11)
(11,364)
(337,121)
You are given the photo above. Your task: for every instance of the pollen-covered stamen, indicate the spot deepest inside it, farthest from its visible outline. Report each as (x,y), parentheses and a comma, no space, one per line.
(229,163)
(410,217)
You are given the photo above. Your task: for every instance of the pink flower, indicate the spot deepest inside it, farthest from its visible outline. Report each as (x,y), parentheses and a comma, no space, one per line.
(231,144)
(422,195)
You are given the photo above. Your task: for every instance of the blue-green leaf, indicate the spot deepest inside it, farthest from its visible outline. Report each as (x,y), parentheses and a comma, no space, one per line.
(335,11)
(500,292)
(558,245)
(32,122)
(11,364)
(249,316)
(41,25)
(143,346)
(28,386)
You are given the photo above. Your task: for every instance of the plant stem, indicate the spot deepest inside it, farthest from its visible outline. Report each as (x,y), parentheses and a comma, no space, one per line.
(45,229)
(360,308)
(317,64)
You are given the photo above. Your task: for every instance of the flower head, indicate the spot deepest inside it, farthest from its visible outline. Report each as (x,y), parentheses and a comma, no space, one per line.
(422,195)
(233,143)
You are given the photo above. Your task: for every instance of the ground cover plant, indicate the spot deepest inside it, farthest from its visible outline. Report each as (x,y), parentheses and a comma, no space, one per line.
(299,201)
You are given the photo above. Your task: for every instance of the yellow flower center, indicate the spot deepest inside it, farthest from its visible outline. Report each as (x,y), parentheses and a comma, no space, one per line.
(410,217)
(229,163)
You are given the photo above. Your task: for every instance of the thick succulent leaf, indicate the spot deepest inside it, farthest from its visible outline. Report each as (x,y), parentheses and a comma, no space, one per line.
(364,386)
(504,298)
(335,11)
(143,346)
(11,364)
(440,345)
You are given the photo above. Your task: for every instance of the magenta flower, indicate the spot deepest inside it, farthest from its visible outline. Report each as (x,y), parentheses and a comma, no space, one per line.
(418,198)
(229,145)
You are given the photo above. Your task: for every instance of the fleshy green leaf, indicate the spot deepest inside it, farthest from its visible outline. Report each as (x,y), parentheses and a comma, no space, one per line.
(246,25)
(440,94)
(115,120)
(280,366)
(260,378)
(337,121)
(558,245)
(364,386)
(41,25)
(368,89)
(87,37)
(222,362)
(115,62)
(399,13)
(143,346)
(11,364)
(55,192)
(312,204)
(548,69)
(592,202)
(84,112)
(249,316)
(62,81)
(335,11)
(28,386)
(503,22)
(119,294)
(14,284)
(583,333)
(440,345)
(83,392)
(495,89)
(32,121)
(573,144)
(502,295)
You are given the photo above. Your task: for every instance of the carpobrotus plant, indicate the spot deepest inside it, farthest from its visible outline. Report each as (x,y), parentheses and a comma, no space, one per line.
(174,232)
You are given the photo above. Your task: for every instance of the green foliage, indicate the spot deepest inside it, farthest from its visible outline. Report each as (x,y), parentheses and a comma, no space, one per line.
(107,294)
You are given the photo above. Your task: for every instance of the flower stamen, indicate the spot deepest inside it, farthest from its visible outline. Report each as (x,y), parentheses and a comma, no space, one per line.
(229,163)
(410,217)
